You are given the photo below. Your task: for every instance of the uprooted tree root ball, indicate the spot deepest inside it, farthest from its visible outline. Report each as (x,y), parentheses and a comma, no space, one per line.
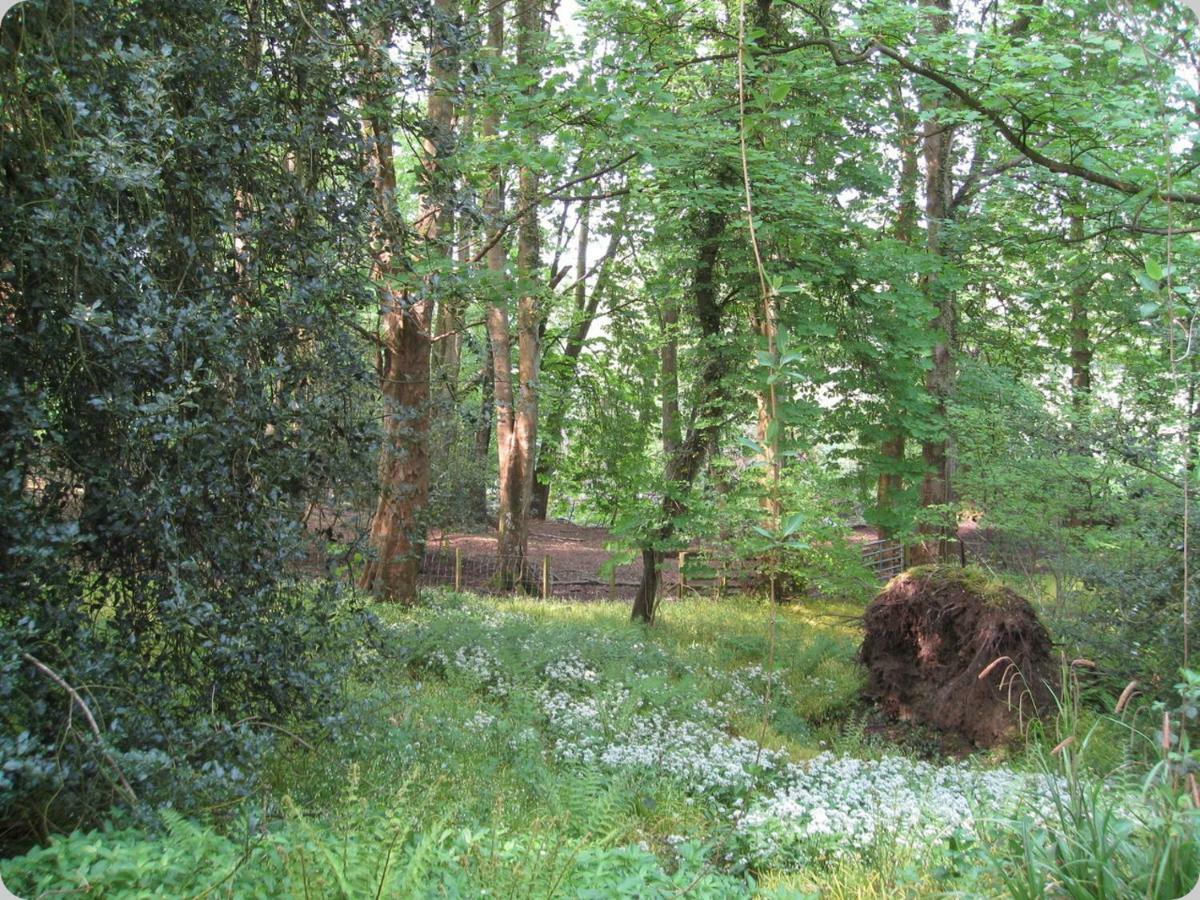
(934,630)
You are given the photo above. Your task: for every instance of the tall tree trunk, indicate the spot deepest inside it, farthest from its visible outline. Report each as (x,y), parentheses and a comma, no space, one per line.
(891,481)
(529,28)
(892,446)
(509,525)
(683,465)
(528,346)
(939,381)
(397,531)
(510,542)
(516,410)
(586,308)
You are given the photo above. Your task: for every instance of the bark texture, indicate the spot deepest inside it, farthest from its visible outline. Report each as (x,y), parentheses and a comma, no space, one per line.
(511,540)
(397,529)
(517,407)
(683,463)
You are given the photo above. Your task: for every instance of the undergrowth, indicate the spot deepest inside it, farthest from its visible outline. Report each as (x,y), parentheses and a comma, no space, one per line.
(519,748)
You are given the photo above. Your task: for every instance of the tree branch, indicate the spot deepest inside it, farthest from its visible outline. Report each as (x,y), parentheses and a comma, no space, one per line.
(519,212)
(1018,139)
(87,714)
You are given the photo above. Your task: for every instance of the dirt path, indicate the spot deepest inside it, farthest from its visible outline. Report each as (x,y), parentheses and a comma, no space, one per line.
(576,554)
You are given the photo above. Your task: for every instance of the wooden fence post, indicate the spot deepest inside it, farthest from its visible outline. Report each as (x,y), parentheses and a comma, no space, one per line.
(458,568)
(612,584)
(682,578)
(545,577)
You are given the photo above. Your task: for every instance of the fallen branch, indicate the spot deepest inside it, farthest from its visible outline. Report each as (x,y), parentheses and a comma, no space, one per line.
(87,714)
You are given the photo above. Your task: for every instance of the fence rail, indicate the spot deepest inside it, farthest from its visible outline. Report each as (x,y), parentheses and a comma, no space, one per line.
(885,558)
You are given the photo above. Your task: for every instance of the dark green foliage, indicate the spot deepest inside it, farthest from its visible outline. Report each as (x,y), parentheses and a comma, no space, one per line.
(1061,503)
(183,220)
(458,482)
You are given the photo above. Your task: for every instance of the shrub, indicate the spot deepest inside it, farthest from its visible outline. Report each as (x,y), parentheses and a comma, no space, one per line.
(177,382)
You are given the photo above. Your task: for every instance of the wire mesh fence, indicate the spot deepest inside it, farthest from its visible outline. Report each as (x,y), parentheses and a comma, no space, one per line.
(1004,553)
(470,562)
(888,558)
(542,575)
(690,573)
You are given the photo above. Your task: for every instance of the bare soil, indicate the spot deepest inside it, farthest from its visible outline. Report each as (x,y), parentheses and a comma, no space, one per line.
(574,553)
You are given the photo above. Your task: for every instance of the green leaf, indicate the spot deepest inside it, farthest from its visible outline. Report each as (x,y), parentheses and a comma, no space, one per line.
(793,523)
(1146,283)
(1153,269)
(773,431)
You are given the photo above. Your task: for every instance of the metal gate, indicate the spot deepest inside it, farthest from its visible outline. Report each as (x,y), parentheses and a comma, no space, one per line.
(885,558)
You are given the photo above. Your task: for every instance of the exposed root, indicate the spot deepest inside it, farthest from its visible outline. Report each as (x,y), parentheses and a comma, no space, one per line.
(953,649)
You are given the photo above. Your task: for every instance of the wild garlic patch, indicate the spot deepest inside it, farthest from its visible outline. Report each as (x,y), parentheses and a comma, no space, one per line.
(836,806)
(570,670)
(704,759)
(480,722)
(600,701)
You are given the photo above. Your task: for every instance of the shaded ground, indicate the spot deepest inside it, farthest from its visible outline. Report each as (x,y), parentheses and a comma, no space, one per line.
(576,554)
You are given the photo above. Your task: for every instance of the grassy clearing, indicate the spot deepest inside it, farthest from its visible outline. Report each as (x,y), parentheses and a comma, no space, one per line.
(519,748)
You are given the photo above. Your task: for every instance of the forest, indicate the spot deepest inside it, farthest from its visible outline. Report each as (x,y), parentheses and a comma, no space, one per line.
(599,448)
